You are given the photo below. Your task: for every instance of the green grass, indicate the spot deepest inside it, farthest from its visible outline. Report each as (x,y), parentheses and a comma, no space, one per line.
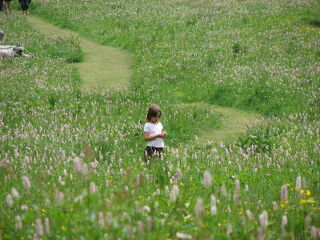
(261,54)
(101,67)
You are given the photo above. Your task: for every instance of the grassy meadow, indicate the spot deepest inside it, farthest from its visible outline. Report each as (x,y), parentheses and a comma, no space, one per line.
(71,162)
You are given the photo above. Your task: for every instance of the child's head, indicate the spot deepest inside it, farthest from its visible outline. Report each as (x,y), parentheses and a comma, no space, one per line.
(154,113)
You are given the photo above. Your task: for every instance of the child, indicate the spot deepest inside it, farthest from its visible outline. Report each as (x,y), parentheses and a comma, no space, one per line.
(25,6)
(7,6)
(153,133)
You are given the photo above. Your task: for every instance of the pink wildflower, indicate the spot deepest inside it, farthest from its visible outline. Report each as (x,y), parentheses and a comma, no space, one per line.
(18,222)
(207,180)
(263,219)
(26,183)
(174,193)
(199,207)
(9,200)
(39,228)
(284,193)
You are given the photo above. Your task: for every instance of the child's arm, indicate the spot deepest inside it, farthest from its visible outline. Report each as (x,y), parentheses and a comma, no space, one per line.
(150,138)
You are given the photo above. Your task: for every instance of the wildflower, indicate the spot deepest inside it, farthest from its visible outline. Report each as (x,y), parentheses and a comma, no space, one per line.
(263,219)
(140,227)
(100,219)
(229,229)
(303,201)
(298,183)
(16,153)
(260,233)
(61,181)
(177,176)
(77,165)
(213,205)
(59,196)
(284,220)
(93,187)
(181,235)
(236,191)
(223,190)
(311,200)
(207,178)
(24,207)
(47,225)
(47,202)
(39,228)
(307,222)
(109,218)
(149,224)
(15,193)
(275,205)
(107,203)
(146,208)
(63,228)
(9,200)
(315,232)
(284,193)
(174,193)
(18,222)
(26,183)
(199,207)
(250,215)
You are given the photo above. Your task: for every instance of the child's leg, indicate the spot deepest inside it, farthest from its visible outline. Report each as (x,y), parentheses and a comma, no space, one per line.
(5,8)
(9,7)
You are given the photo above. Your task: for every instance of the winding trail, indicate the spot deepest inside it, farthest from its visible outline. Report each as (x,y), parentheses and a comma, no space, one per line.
(234,121)
(103,67)
(108,68)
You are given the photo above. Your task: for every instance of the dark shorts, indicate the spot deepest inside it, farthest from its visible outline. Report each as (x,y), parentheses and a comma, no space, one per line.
(151,152)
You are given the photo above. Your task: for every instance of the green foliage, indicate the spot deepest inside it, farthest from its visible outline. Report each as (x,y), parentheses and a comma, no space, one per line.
(206,49)
(67,49)
(261,138)
(47,125)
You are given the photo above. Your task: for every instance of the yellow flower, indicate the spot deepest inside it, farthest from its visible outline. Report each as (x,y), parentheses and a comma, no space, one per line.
(43,211)
(311,200)
(308,192)
(303,201)
(63,228)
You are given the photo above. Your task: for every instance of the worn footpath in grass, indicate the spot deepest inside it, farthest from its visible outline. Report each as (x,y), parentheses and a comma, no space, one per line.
(107,67)
(234,122)
(103,67)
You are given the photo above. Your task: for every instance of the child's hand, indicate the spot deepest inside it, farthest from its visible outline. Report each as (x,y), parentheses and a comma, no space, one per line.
(164,134)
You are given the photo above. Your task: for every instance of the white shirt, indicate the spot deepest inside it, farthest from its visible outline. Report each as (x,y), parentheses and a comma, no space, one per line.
(154,129)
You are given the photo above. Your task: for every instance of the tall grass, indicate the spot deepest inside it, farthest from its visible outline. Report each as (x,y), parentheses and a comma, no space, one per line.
(82,153)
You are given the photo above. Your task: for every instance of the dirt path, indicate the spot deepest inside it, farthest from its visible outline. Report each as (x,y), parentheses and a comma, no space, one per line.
(234,121)
(103,67)
(109,68)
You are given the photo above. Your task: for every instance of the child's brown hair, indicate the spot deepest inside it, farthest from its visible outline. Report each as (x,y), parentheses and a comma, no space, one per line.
(153,111)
